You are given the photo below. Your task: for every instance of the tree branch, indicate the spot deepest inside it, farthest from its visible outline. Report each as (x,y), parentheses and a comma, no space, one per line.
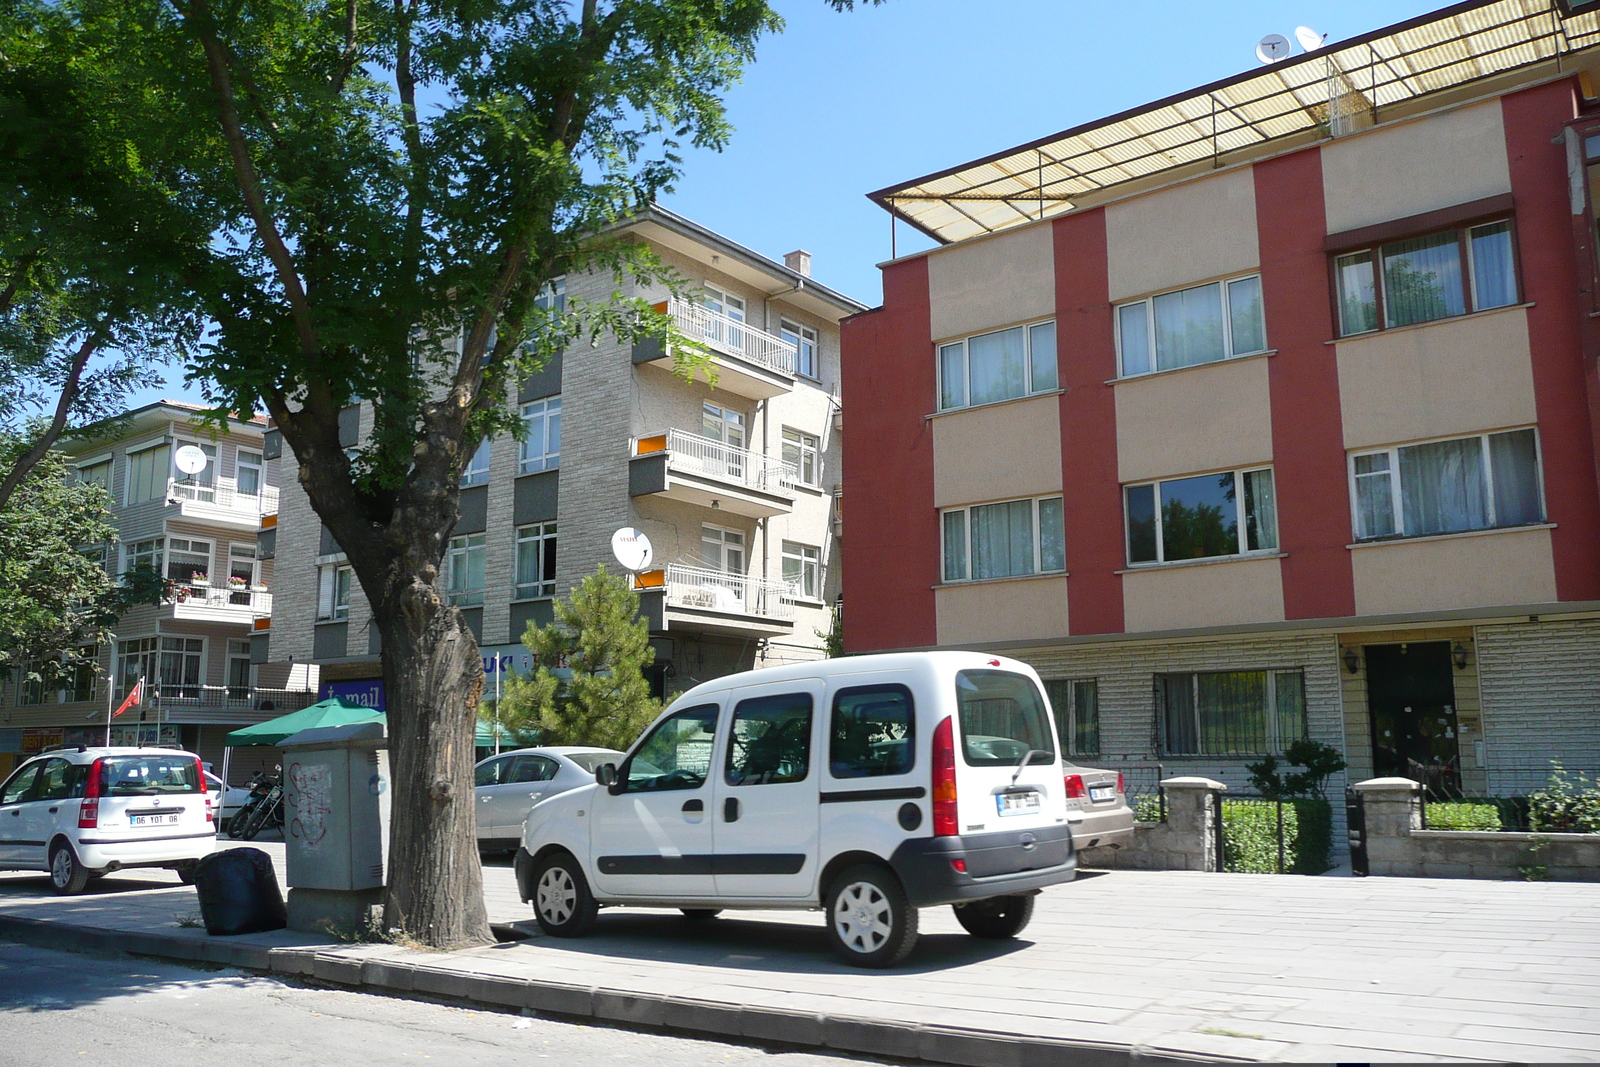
(58,422)
(350,53)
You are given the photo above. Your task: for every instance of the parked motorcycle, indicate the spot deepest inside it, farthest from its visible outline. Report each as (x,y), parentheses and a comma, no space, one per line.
(264,809)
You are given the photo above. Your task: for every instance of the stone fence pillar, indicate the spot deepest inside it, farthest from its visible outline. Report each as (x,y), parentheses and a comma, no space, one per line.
(1192,820)
(1393,809)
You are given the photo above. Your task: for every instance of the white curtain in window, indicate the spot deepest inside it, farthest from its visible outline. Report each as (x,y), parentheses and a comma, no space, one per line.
(1374,496)
(1244,311)
(1514,459)
(1052,536)
(1189,327)
(998,365)
(955,546)
(1494,272)
(1042,355)
(1135,336)
(1422,279)
(1442,488)
(1002,539)
(1260,510)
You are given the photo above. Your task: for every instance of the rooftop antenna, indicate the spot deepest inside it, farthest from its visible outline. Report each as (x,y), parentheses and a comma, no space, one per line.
(1309,39)
(1272,48)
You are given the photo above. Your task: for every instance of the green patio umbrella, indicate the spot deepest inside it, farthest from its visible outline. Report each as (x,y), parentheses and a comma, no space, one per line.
(331,712)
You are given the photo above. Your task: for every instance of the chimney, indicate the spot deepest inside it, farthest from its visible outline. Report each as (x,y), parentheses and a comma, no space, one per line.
(798,261)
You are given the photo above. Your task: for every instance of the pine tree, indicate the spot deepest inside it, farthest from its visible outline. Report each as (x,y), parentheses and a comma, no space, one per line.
(600,637)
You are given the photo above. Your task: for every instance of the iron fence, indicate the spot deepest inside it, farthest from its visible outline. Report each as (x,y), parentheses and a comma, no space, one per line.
(1142,783)
(1271,835)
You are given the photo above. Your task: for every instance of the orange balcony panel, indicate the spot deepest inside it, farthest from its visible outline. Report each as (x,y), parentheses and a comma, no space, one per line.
(647,445)
(269,521)
(656,579)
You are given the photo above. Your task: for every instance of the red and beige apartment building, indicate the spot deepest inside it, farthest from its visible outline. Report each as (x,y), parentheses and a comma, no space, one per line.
(1264,411)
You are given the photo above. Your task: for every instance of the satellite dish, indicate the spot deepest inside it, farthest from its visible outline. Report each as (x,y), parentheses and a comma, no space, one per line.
(1272,47)
(632,549)
(1309,38)
(190,459)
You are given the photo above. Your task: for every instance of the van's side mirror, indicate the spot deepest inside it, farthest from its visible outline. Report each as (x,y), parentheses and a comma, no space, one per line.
(606,775)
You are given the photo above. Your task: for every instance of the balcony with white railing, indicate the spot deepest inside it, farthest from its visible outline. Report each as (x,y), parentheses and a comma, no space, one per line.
(221,500)
(747,359)
(703,598)
(700,470)
(224,602)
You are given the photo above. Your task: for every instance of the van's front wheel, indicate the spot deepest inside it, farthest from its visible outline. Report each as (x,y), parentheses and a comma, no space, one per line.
(870,923)
(997,918)
(561,899)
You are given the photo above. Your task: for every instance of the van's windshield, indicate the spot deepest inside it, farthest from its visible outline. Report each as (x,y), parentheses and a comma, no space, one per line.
(1002,717)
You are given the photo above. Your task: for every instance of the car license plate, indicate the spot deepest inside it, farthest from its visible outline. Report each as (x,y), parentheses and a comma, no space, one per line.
(163,819)
(1102,793)
(1017,803)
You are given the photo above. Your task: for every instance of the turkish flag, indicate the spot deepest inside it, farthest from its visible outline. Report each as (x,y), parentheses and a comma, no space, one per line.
(131,699)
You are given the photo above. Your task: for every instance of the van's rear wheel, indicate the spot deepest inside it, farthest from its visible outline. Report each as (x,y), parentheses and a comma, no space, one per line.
(67,875)
(997,917)
(561,899)
(870,923)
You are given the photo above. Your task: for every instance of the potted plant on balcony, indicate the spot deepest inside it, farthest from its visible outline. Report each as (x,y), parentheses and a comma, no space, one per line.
(236,582)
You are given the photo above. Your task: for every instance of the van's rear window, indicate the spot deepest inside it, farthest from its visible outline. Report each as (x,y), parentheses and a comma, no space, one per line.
(1002,717)
(144,776)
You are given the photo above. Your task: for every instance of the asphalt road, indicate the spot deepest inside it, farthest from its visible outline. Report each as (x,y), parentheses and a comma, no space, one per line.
(61,1008)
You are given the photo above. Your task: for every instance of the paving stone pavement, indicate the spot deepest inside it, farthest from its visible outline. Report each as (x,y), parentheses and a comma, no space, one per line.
(1147,965)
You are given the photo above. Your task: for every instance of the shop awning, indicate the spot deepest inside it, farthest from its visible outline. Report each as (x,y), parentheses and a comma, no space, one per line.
(330,712)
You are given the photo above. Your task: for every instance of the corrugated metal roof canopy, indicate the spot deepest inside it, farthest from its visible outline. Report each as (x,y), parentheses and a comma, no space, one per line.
(1333,90)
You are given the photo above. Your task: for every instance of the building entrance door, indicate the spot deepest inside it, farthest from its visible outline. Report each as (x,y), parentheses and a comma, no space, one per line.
(1411,699)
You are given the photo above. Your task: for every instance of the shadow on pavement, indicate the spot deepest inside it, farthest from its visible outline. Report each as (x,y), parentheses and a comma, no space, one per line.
(18,884)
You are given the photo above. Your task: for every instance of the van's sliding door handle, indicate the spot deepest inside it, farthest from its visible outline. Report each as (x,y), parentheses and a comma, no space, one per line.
(696,805)
(730,810)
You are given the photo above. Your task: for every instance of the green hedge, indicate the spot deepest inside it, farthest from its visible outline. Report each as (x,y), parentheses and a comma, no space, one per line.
(1250,836)
(1147,808)
(1463,815)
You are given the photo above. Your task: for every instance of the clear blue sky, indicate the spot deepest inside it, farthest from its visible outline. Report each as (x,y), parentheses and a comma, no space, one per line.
(841,104)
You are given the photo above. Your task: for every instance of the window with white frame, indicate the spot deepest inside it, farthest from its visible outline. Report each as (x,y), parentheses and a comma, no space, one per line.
(248,473)
(536,561)
(1419,279)
(553,297)
(802,451)
(180,667)
(96,473)
(802,569)
(1008,539)
(541,444)
(1199,518)
(723,549)
(1003,365)
(1200,324)
(1438,487)
(188,560)
(464,570)
(148,470)
(146,553)
(804,339)
(477,470)
(1076,703)
(1230,713)
(202,484)
(78,684)
(30,685)
(333,591)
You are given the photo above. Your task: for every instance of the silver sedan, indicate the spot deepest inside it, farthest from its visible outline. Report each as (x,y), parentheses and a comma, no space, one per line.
(510,784)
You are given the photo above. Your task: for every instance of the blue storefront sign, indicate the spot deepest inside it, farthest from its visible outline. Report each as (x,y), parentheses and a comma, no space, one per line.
(366,694)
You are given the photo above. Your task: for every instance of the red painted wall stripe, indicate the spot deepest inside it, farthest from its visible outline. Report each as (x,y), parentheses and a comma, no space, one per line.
(1550,279)
(1092,494)
(1308,455)
(891,549)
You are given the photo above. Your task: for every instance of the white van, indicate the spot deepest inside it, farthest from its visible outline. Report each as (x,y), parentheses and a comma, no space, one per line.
(868,786)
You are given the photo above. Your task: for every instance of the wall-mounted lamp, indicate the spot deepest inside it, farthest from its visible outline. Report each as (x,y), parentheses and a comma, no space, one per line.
(1458,655)
(1352,659)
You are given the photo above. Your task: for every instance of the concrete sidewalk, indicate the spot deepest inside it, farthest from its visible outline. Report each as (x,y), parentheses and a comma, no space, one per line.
(1116,967)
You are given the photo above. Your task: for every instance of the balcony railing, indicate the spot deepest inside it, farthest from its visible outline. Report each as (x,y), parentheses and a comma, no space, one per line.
(238,697)
(254,601)
(740,594)
(720,333)
(225,493)
(712,459)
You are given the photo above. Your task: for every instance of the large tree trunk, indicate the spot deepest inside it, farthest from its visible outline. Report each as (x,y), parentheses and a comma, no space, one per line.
(433,679)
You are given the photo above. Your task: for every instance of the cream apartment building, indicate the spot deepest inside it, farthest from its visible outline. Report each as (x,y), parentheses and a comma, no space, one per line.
(735,483)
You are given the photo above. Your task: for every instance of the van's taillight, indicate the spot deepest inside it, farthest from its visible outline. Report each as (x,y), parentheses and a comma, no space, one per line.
(89,807)
(1074,784)
(1122,785)
(945,823)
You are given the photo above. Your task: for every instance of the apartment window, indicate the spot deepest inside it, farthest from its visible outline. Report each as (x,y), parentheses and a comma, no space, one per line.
(553,297)
(1438,487)
(1426,278)
(148,469)
(477,471)
(1230,713)
(138,659)
(79,682)
(541,444)
(180,667)
(722,424)
(144,554)
(98,473)
(723,549)
(201,485)
(1198,518)
(804,339)
(1201,324)
(802,569)
(238,669)
(464,570)
(1077,706)
(1004,540)
(248,473)
(30,690)
(188,561)
(101,555)
(333,591)
(802,452)
(1003,365)
(536,561)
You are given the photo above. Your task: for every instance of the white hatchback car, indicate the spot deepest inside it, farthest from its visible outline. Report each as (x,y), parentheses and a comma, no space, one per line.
(866,786)
(85,812)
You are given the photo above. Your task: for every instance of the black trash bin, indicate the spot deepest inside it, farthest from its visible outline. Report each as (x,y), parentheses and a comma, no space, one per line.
(239,892)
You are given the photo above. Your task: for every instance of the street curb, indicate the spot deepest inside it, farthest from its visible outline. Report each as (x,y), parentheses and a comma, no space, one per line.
(656,1011)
